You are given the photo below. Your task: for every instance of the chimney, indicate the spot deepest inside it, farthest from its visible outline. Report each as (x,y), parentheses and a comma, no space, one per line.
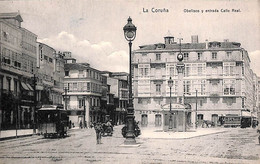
(226,40)
(194,39)
(207,44)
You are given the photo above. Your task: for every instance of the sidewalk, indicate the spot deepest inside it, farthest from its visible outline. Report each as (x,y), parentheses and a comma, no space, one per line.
(9,134)
(159,134)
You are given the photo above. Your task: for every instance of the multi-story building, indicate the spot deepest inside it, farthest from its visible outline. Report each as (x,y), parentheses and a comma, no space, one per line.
(119,88)
(59,74)
(83,91)
(217,80)
(50,75)
(17,67)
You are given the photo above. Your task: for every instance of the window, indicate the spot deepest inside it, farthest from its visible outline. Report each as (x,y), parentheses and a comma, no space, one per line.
(229,87)
(81,103)
(186,87)
(228,55)
(75,86)
(158,88)
(143,71)
(199,55)
(88,86)
(199,70)
(158,56)
(214,55)
(140,101)
(171,71)
(66,73)
(243,102)
(15,87)
(201,102)
(45,57)
(186,56)
(228,68)
(8,83)
(187,71)
(50,60)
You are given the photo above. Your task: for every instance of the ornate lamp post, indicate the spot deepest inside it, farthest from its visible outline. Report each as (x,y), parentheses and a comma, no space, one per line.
(170,84)
(130,34)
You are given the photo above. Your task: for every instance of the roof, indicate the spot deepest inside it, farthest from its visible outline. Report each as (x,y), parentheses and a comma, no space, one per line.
(189,46)
(14,15)
(78,66)
(75,66)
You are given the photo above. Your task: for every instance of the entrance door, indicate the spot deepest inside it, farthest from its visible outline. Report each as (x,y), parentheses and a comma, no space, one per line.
(215,119)
(158,120)
(200,119)
(144,120)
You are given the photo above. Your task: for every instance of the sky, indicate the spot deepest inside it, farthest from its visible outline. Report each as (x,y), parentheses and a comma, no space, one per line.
(93,29)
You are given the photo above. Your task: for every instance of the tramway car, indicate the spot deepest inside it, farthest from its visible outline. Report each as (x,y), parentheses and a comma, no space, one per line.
(53,121)
(232,120)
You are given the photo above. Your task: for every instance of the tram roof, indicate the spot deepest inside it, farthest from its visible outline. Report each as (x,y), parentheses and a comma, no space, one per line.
(51,107)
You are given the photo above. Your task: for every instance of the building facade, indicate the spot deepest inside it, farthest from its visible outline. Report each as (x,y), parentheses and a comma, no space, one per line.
(217,80)
(50,75)
(83,92)
(17,67)
(119,88)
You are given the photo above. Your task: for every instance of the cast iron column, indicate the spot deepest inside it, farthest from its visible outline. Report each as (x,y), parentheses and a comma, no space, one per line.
(130,33)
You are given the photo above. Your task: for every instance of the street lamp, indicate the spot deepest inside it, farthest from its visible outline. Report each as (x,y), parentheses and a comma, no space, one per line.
(170,84)
(130,34)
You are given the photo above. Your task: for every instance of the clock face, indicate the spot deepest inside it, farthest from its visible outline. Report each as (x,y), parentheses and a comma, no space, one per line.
(130,34)
(180,57)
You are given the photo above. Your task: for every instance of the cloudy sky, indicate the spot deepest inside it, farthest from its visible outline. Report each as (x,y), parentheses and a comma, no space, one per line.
(93,29)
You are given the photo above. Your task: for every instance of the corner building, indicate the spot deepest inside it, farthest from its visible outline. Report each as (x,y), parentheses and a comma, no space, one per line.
(219,72)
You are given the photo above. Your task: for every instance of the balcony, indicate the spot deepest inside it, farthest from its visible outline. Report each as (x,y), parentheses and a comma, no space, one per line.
(214,76)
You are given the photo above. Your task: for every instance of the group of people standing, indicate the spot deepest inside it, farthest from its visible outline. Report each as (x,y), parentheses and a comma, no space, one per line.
(101,129)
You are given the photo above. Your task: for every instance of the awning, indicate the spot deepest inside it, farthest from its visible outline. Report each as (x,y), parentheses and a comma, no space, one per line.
(29,86)
(24,86)
(246,114)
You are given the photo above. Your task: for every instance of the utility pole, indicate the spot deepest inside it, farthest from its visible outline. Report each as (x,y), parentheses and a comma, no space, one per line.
(35,103)
(196,109)
(65,97)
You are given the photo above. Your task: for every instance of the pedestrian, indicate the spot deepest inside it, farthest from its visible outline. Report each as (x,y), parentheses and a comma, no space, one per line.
(98,129)
(80,124)
(70,124)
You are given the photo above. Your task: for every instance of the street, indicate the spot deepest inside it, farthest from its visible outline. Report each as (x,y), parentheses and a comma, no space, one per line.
(233,146)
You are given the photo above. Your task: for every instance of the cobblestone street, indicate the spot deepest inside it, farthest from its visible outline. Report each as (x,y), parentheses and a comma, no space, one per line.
(232,146)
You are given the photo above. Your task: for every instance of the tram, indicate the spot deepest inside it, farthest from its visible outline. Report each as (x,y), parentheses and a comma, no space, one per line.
(53,121)
(232,120)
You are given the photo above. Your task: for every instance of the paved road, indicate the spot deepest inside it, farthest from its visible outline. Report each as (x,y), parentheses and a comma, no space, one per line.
(235,146)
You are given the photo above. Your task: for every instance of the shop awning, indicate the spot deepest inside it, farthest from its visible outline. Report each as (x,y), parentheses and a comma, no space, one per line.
(29,86)
(24,86)
(246,114)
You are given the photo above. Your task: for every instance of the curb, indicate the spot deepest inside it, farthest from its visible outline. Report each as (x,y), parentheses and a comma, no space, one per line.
(183,138)
(14,137)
